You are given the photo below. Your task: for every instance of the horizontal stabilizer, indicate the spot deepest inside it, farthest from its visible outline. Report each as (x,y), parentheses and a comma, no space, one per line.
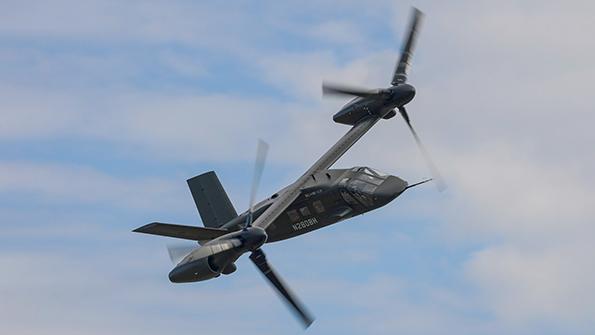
(180,231)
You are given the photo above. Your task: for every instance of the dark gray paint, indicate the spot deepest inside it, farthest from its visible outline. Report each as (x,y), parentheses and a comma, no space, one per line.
(180,231)
(340,200)
(212,202)
(320,197)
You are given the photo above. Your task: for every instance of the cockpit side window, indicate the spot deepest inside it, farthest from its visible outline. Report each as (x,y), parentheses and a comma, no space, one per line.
(364,199)
(350,200)
(305,211)
(318,206)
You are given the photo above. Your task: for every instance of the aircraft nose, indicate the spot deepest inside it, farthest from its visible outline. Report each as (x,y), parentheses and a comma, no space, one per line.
(390,189)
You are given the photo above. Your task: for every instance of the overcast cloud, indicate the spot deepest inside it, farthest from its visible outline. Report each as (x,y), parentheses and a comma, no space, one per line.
(107,107)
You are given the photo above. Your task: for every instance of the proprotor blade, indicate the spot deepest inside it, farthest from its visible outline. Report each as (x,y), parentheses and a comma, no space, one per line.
(433,169)
(336,89)
(261,156)
(259,259)
(178,252)
(400,75)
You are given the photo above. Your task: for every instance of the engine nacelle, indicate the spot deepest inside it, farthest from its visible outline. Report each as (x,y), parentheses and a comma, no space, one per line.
(217,256)
(229,269)
(352,112)
(196,270)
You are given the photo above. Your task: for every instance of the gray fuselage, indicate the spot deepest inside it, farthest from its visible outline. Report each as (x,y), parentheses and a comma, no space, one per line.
(329,197)
(332,196)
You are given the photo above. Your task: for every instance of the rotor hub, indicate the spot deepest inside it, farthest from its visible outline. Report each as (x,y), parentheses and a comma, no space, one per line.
(404,93)
(253,238)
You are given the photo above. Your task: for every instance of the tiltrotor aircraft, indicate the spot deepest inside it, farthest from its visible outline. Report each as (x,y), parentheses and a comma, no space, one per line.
(320,197)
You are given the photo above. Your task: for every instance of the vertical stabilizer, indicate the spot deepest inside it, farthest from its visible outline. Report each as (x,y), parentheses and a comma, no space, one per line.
(213,205)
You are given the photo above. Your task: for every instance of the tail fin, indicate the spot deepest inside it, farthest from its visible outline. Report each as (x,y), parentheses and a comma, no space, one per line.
(213,205)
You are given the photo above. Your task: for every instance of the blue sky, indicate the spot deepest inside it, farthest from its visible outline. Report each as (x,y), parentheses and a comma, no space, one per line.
(107,107)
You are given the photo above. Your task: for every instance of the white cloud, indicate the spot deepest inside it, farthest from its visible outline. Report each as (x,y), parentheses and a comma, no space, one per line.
(504,103)
(110,21)
(507,192)
(55,183)
(46,115)
(551,284)
(302,74)
(340,32)
(55,293)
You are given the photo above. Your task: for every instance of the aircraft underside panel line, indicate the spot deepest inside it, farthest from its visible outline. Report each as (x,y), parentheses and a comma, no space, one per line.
(324,162)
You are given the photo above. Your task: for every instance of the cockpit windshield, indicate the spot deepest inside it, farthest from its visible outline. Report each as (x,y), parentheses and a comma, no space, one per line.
(370,175)
(377,173)
(362,186)
(370,171)
(370,179)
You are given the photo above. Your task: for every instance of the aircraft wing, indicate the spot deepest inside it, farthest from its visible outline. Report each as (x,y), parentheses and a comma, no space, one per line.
(324,162)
